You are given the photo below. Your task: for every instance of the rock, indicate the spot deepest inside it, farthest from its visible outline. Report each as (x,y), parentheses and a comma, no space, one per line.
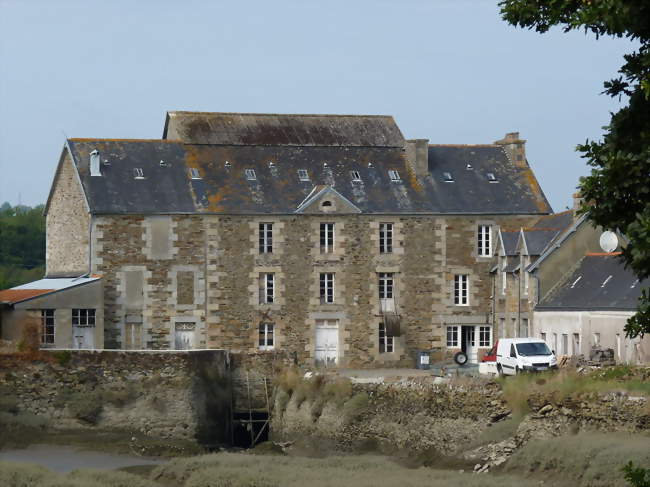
(546,409)
(477,467)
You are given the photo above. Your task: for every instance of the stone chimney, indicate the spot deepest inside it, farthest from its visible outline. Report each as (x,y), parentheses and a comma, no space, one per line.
(577,203)
(417,154)
(95,163)
(515,148)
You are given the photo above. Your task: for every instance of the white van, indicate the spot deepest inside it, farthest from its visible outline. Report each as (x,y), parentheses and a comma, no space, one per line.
(515,355)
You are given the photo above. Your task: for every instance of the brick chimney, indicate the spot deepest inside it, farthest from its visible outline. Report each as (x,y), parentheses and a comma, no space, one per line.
(417,154)
(515,148)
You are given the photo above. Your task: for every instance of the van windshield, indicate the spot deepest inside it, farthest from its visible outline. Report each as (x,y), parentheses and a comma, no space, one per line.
(530,349)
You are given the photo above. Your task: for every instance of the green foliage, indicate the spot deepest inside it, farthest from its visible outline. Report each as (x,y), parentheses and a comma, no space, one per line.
(355,406)
(22,244)
(86,406)
(617,192)
(62,357)
(637,476)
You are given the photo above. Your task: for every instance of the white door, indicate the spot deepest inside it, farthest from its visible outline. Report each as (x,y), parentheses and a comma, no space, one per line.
(184,336)
(83,337)
(327,342)
(471,349)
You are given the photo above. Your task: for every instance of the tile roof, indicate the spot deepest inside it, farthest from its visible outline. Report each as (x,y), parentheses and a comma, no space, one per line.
(600,282)
(11,296)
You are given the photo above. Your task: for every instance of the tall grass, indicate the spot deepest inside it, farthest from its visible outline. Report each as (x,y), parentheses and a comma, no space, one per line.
(560,385)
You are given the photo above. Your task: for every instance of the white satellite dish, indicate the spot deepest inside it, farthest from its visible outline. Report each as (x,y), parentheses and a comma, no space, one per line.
(608,241)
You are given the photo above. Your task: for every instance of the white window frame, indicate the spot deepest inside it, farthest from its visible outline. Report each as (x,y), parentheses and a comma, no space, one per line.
(504,279)
(386,342)
(266,238)
(482,342)
(47,321)
(327,238)
(303,175)
(250,174)
(326,284)
(386,285)
(83,317)
(394,175)
(356,177)
(484,240)
(266,336)
(267,288)
(386,238)
(452,336)
(461,289)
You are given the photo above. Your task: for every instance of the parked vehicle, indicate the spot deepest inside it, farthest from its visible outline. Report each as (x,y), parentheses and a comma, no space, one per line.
(515,355)
(488,364)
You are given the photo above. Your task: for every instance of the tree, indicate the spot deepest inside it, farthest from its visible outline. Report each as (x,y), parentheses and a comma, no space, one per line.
(617,192)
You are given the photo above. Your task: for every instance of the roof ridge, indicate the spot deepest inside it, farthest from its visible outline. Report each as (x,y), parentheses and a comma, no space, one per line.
(93,139)
(350,115)
(463,145)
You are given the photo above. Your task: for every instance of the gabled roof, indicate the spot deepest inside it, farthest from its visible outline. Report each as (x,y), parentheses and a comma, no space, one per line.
(515,190)
(600,282)
(275,129)
(509,241)
(42,287)
(321,191)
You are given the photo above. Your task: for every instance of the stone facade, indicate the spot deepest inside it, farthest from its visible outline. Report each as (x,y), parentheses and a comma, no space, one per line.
(218,257)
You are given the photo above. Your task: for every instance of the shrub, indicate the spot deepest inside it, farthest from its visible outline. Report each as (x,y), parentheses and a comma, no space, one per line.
(339,390)
(281,400)
(22,474)
(288,380)
(355,406)
(62,357)
(86,406)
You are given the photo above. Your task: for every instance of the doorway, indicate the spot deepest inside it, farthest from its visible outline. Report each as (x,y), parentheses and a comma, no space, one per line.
(327,342)
(468,343)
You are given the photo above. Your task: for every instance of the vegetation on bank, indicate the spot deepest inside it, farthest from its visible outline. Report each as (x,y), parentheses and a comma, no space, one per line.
(22,244)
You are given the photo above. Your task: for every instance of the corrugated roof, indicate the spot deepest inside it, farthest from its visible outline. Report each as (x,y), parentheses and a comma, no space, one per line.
(41,287)
(600,282)
(276,189)
(276,129)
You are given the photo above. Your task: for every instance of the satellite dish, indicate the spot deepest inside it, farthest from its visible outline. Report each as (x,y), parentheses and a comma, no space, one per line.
(608,241)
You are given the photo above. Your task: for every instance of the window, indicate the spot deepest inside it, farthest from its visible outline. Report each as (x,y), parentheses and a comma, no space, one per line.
(326,238)
(596,339)
(194,173)
(267,288)
(385,285)
(525,264)
(303,175)
(452,336)
(83,317)
(394,175)
(386,342)
(492,178)
(576,344)
(266,238)
(554,342)
(47,326)
(504,276)
(266,331)
(565,344)
(355,176)
(385,238)
(448,178)
(250,174)
(485,336)
(137,173)
(326,288)
(543,336)
(461,296)
(485,241)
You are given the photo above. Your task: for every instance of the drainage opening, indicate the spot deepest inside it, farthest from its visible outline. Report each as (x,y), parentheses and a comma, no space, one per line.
(249,429)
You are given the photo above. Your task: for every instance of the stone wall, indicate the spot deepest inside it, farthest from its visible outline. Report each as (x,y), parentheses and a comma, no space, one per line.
(178,396)
(67,228)
(219,255)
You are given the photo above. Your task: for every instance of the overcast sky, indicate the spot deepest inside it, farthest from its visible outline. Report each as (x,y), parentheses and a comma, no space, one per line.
(448,70)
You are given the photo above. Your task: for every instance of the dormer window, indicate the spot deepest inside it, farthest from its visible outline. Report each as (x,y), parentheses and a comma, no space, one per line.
(356,177)
(194,173)
(303,175)
(137,173)
(469,167)
(250,174)
(448,178)
(492,178)
(394,175)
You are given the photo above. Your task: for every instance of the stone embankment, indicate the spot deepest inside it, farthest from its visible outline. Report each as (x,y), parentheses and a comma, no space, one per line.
(469,419)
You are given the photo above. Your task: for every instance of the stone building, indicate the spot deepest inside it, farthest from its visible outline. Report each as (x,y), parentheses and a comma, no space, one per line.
(329,237)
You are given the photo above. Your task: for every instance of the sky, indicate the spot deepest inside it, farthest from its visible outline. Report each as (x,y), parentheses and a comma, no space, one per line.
(450,71)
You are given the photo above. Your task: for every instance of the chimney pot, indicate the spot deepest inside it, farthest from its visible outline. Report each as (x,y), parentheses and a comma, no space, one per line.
(94,163)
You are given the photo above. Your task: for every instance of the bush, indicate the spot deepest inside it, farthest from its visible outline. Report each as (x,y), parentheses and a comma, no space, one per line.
(22,474)
(355,406)
(86,406)
(62,357)
(339,391)
(288,380)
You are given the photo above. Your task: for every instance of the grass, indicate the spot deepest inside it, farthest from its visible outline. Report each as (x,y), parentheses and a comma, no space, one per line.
(585,460)
(560,385)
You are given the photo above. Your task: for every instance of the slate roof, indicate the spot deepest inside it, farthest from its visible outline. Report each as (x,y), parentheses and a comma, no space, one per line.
(538,240)
(276,147)
(42,287)
(558,221)
(509,239)
(274,129)
(600,282)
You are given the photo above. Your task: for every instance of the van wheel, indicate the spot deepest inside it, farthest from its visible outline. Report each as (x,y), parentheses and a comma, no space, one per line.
(460,358)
